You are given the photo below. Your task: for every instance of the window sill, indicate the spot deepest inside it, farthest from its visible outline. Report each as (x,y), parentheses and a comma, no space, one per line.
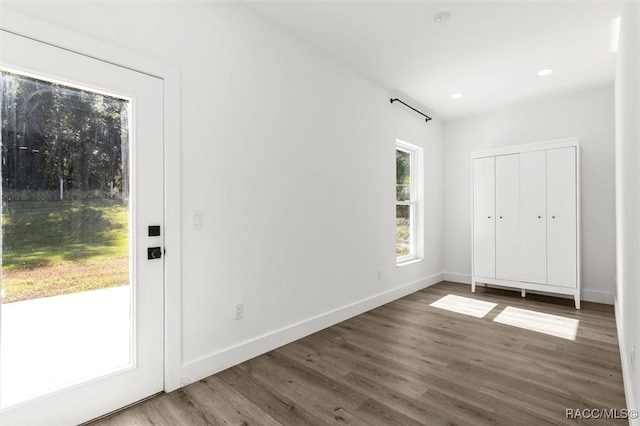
(405,262)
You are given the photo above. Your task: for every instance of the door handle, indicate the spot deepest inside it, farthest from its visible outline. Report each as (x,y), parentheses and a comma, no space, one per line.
(154,253)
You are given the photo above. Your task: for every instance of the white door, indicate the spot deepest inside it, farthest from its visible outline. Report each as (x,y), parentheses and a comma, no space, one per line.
(561,214)
(533,219)
(484,225)
(508,217)
(82,190)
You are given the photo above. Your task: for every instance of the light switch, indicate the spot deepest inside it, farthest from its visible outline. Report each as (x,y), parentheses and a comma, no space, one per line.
(196,219)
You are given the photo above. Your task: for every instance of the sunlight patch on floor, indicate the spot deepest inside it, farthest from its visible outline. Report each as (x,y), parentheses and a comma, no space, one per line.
(464,305)
(553,325)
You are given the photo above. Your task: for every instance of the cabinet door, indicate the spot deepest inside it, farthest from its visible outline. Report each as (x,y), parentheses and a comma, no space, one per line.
(484,242)
(533,220)
(508,217)
(561,217)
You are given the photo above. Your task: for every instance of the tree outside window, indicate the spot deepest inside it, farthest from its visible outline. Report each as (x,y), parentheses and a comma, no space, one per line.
(407,198)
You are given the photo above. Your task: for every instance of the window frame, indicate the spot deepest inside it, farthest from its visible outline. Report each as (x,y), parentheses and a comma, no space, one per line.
(414,202)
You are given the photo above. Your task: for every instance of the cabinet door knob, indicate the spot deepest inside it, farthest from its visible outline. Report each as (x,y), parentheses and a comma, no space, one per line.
(500,217)
(553,217)
(539,217)
(488,217)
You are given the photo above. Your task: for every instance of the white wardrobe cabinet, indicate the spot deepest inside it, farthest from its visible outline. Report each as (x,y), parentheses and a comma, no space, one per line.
(533,221)
(562,231)
(526,218)
(507,217)
(484,221)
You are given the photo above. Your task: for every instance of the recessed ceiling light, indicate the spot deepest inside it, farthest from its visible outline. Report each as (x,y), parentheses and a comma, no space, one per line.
(442,17)
(456,96)
(545,72)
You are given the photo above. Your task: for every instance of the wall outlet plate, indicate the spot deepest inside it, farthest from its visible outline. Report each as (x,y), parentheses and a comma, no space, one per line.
(238,311)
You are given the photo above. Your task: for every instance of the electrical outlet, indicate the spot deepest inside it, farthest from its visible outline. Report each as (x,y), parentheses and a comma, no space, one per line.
(238,311)
(379,274)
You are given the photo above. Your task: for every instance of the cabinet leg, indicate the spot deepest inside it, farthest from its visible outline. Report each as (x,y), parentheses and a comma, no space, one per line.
(473,285)
(577,299)
(523,292)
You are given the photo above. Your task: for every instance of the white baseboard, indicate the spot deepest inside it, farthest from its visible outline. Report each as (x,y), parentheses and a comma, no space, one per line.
(457,278)
(218,361)
(626,368)
(228,357)
(586,294)
(598,296)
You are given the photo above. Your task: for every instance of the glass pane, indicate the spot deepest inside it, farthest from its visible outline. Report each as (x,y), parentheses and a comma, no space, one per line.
(403,230)
(65,236)
(403,176)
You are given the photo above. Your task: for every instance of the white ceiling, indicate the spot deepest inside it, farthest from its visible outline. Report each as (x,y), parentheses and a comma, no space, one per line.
(490,51)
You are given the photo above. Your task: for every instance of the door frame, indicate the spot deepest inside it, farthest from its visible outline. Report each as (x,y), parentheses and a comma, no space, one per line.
(46,33)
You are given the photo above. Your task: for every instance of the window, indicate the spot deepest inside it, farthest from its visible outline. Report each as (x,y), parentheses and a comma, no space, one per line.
(408,199)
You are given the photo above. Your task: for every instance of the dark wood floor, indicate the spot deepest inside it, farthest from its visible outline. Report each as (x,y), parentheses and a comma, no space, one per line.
(409,363)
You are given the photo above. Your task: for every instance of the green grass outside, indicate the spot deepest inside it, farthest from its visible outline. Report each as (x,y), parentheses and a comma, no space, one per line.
(59,247)
(402,236)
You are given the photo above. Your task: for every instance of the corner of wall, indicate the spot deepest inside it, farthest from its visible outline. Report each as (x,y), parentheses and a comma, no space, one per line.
(629,392)
(627,101)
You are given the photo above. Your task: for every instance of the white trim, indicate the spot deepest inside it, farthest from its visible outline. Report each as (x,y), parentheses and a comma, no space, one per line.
(471,214)
(233,355)
(537,146)
(598,296)
(457,278)
(172,233)
(415,203)
(47,33)
(50,34)
(627,377)
(579,223)
(410,260)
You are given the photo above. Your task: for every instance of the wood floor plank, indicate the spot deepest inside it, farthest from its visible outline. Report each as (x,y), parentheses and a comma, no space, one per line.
(410,363)
(328,399)
(268,397)
(226,406)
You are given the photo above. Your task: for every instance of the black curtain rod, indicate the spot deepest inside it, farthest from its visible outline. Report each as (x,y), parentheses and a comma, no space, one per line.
(419,112)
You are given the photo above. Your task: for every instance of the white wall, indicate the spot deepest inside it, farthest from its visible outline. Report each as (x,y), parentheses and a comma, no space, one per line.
(291,159)
(588,115)
(628,199)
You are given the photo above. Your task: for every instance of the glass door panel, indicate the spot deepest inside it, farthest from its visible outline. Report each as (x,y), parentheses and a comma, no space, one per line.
(65,236)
